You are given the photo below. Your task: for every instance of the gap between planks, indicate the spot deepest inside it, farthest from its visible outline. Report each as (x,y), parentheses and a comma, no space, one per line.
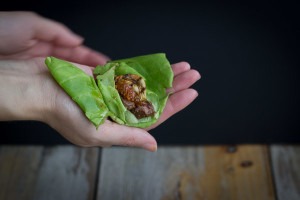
(206,172)
(56,172)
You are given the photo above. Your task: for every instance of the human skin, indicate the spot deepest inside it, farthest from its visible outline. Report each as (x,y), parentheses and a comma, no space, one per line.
(28,92)
(26,35)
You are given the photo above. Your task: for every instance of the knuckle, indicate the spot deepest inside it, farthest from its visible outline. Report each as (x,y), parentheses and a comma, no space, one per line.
(129,140)
(87,142)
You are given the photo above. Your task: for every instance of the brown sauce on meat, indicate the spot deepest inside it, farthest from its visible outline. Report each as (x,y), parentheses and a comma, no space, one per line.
(132,89)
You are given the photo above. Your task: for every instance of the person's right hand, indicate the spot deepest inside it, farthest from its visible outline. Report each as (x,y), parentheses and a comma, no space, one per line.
(28,92)
(26,35)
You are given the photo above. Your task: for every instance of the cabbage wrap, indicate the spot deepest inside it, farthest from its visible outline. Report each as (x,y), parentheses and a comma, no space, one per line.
(100,97)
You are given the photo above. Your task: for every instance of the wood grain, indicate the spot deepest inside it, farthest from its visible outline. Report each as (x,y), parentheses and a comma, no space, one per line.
(286,168)
(211,172)
(18,168)
(59,172)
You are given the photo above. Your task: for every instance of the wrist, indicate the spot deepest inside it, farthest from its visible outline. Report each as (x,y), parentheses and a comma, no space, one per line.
(21,97)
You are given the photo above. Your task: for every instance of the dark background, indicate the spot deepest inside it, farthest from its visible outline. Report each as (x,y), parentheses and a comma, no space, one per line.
(247,54)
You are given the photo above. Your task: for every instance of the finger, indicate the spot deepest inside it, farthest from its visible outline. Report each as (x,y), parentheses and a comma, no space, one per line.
(80,54)
(185,80)
(54,32)
(88,70)
(116,134)
(180,67)
(176,103)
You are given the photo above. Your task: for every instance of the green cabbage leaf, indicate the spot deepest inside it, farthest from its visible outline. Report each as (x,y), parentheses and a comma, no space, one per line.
(99,99)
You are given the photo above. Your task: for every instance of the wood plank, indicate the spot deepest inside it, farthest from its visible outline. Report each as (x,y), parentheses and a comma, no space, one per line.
(211,172)
(286,169)
(67,172)
(58,172)
(18,168)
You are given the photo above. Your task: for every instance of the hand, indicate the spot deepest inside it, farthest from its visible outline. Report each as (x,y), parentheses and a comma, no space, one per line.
(27,35)
(31,93)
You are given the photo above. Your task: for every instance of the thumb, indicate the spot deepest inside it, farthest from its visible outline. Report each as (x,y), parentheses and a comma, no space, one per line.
(116,134)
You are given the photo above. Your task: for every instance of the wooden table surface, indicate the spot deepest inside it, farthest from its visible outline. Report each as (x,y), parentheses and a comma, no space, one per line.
(68,172)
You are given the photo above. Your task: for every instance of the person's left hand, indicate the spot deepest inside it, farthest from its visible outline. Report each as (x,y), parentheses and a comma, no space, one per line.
(27,35)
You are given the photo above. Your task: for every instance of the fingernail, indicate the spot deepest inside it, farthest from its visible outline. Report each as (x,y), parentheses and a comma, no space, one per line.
(150,147)
(198,75)
(196,94)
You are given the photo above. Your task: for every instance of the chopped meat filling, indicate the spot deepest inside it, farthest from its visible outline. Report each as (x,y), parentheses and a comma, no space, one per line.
(132,89)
